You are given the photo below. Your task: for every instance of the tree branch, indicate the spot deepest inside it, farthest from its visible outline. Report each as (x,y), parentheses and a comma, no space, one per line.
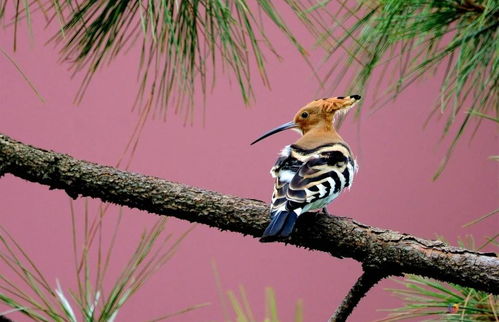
(365,282)
(384,250)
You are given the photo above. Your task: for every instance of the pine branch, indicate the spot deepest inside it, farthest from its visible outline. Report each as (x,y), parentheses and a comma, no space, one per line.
(365,282)
(377,249)
(184,45)
(393,43)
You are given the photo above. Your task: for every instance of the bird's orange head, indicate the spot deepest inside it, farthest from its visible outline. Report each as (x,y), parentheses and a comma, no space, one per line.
(316,114)
(321,112)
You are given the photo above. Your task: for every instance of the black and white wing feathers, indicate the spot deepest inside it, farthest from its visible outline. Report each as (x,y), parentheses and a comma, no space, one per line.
(319,181)
(307,180)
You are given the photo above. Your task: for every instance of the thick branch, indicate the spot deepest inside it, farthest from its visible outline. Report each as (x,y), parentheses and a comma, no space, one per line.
(376,248)
(365,282)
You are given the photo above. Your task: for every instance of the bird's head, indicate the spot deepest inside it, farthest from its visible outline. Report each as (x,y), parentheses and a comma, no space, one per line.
(316,113)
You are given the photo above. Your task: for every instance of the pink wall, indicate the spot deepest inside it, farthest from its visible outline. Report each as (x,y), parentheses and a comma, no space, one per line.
(393,188)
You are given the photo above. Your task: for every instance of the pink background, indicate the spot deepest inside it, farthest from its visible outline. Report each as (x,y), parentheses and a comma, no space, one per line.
(393,188)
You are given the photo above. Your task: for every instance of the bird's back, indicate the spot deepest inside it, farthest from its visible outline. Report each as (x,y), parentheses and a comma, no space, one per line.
(308,179)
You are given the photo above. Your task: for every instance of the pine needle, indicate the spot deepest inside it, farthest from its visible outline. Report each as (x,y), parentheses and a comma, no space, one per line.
(28,81)
(184,44)
(412,39)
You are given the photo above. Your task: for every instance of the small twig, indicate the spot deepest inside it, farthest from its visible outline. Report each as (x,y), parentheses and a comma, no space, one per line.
(367,280)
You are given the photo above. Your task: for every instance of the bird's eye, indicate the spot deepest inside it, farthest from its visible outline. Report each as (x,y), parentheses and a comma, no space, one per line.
(304,115)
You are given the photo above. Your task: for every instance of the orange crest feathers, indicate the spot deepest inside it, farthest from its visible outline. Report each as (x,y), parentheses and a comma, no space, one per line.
(333,104)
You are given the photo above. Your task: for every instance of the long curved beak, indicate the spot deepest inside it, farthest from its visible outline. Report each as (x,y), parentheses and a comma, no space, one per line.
(280,128)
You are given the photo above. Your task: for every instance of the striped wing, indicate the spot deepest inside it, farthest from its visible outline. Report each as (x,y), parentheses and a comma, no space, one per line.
(319,181)
(283,171)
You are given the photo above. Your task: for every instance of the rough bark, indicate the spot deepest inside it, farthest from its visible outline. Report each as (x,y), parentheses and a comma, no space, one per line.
(365,282)
(377,249)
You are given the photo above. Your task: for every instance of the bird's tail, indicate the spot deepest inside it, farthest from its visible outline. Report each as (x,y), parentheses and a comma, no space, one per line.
(282,225)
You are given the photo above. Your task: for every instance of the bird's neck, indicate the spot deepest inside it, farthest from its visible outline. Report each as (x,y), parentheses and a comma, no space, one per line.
(318,136)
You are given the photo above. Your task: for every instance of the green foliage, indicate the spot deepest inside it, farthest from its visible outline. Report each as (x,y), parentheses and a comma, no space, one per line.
(184,44)
(34,297)
(425,297)
(406,40)
(243,312)
(241,308)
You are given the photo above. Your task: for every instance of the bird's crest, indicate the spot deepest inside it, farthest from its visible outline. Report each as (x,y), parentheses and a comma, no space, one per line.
(339,103)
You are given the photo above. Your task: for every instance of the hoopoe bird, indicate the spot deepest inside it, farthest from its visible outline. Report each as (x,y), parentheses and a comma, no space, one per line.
(313,171)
